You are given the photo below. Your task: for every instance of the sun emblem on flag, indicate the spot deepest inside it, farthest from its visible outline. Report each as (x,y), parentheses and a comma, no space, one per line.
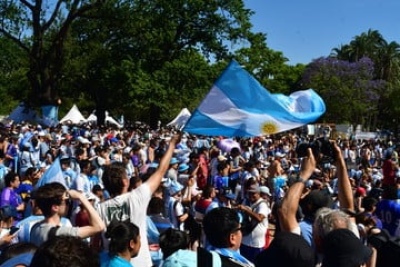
(269,127)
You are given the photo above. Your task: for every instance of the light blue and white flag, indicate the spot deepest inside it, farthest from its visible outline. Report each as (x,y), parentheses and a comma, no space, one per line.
(52,174)
(238,105)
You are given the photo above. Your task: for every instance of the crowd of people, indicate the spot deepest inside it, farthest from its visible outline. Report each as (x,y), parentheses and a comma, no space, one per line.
(143,198)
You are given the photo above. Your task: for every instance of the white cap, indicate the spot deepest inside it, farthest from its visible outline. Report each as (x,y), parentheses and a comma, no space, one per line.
(265,190)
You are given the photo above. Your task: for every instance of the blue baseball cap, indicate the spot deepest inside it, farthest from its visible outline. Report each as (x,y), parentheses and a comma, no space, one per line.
(22,259)
(174,161)
(175,188)
(183,167)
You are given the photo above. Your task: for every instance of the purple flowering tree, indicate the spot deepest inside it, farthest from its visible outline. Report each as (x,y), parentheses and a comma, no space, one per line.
(348,88)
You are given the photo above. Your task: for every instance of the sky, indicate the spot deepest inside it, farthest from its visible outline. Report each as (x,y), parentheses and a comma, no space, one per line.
(308,29)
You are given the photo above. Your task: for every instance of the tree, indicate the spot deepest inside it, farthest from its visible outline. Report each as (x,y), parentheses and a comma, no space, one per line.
(348,89)
(134,56)
(41,29)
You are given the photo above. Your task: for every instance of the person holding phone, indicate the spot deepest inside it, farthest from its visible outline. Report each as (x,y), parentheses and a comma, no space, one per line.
(7,230)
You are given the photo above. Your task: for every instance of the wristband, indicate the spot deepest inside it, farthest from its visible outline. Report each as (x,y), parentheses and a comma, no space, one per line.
(301,180)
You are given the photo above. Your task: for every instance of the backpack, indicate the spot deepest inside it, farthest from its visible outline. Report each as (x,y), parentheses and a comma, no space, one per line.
(248,224)
(388,249)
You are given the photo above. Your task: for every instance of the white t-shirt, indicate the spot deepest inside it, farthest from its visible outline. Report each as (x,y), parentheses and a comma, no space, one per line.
(256,238)
(133,206)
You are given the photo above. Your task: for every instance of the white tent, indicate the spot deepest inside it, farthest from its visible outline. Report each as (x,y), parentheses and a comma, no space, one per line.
(108,119)
(181,119)
(92,117)
(73,115)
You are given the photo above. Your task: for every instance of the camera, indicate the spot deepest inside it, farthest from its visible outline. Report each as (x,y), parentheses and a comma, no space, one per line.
(322,150)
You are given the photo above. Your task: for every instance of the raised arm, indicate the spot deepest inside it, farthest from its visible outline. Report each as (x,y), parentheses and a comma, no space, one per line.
(155,179)
(96,223)
(345,192)
(290,202)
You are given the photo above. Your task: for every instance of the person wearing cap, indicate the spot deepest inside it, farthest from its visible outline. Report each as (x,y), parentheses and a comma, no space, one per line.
(176,211)
(18,254)
(172,172)
(132,205)
(258,212)
(359,195)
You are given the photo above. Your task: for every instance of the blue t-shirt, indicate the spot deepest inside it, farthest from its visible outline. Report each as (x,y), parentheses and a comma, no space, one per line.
(113,261)
(389,213)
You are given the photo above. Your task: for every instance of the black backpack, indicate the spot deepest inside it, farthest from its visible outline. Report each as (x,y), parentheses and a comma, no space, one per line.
(248,224)
(388,249)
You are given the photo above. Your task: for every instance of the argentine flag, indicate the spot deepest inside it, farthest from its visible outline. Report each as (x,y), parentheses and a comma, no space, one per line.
(238,105)
(52,174)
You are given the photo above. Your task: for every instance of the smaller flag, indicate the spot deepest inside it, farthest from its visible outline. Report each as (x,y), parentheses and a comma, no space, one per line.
(52,174)
(181,119)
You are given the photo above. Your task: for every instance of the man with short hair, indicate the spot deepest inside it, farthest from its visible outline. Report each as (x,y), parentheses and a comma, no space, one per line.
(223,231)
(133,204)
(53,200)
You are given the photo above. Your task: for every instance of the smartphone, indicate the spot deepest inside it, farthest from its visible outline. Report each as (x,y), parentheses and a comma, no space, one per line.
(13,230)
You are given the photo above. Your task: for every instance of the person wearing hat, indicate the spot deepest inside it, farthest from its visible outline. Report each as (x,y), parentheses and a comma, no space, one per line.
(172,172)
(176,211)
(19,254)
(253,242)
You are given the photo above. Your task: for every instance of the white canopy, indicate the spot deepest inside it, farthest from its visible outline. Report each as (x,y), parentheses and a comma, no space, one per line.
(181,119)
(73,115)
(108,119)
(92,117)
